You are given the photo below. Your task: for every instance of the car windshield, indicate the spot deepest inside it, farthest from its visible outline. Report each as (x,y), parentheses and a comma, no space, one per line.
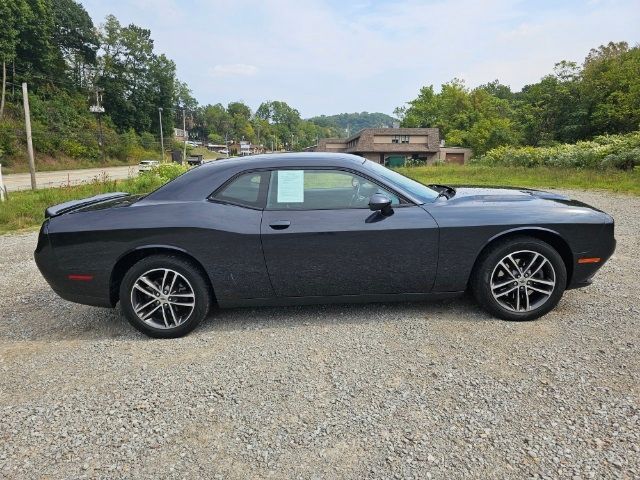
(417,189)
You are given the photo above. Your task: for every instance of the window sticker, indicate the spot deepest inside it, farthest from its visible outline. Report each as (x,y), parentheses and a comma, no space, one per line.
(290,186)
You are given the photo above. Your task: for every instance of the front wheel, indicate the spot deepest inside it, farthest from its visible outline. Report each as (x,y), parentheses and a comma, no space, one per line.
(164,296)
(519,279)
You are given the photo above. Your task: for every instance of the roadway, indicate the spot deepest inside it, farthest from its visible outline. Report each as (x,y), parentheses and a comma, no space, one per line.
(22,181)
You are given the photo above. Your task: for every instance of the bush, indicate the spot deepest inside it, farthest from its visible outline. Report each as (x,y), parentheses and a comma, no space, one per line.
(625,160)
(8,138)
(74,149)
(608,151)
(169,171)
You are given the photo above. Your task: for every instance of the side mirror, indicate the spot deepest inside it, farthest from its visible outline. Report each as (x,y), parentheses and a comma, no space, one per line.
(381,203)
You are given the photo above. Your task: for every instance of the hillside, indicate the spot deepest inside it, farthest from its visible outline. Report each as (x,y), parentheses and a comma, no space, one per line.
(350,123)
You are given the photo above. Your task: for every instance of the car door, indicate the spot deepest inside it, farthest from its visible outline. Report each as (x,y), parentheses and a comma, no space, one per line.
(319,237)
(233,246)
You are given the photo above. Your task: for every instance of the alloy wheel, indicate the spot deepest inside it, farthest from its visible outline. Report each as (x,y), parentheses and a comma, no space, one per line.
(523,281)
(162,298)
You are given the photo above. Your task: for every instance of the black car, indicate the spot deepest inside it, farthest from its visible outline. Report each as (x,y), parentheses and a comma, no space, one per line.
(316,228)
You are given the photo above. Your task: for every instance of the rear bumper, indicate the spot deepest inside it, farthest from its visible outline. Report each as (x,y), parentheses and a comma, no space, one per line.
(85,292)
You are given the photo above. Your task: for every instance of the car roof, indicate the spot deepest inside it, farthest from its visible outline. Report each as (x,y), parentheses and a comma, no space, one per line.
(301,159)
(204,179)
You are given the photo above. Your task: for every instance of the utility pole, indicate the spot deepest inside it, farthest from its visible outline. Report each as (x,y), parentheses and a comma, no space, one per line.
(258,136)
(184,132)
(4,86)
(161,135)
(1,185)
(98,109)
(27,124)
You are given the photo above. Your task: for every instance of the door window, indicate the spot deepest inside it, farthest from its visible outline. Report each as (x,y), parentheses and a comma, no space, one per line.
(299,189)
(244,190)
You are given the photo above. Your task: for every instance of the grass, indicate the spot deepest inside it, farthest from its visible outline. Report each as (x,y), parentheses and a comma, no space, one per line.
(541,177)
(25,209)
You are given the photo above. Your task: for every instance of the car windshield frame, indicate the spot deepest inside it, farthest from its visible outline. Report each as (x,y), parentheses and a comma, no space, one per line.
(417,190)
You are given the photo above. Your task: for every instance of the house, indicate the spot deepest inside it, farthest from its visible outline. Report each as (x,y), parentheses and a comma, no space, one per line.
(180,135)
(216,147)
(394,146)
(244,148)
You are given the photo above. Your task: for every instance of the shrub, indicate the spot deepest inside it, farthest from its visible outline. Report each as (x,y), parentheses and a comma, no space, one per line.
(625,160)
(607,151)
(8,139)
(158,176)
(72,148)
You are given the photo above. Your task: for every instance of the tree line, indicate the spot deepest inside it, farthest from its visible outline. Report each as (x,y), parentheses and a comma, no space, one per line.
(576,102)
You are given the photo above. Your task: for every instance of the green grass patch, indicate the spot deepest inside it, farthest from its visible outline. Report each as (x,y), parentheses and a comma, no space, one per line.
(541,177)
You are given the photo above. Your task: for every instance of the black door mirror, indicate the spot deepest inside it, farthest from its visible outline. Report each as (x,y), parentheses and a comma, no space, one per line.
(381,203)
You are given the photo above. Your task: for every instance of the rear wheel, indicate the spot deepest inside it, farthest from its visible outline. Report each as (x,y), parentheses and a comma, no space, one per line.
(519,279)
(164,296)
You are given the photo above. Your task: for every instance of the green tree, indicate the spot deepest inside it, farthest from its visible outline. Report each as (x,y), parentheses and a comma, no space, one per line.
(75,38)
(15,14)
(473,118)
(136,81)
(611,88)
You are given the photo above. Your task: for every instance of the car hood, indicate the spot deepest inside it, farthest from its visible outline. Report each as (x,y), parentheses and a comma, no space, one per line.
(503,194)
(482,196)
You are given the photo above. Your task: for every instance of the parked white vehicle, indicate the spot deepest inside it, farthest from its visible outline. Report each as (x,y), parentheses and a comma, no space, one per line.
(146,165)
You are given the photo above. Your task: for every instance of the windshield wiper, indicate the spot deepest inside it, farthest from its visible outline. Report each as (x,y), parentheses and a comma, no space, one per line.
(443,190)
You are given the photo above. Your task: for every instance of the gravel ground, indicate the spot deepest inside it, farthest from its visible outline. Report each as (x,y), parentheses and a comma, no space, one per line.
(435,390)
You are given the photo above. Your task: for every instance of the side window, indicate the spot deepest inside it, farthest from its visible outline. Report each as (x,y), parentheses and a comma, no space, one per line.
(321,190)
(246,190)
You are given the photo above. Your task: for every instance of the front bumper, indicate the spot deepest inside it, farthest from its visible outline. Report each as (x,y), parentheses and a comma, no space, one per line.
(583,273)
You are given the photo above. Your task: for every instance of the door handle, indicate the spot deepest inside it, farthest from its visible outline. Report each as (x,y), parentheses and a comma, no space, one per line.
(280,224)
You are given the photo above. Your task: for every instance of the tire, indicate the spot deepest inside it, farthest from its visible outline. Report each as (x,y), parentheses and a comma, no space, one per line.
(172,315)
(527,297)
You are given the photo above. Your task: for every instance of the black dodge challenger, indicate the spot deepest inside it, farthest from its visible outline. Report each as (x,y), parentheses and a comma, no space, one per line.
(316,228)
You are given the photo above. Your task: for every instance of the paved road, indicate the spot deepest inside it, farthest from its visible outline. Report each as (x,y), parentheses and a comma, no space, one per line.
(22,181)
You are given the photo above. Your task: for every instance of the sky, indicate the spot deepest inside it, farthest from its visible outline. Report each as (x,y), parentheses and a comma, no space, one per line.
(332,56)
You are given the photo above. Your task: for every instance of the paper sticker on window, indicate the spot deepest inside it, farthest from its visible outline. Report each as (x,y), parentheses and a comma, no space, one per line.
(290,186)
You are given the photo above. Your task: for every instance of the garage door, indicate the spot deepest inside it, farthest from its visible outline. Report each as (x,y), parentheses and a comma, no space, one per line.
(395,161)
(455,158)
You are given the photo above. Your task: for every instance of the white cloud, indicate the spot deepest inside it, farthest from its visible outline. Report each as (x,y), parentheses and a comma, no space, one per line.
(233,70)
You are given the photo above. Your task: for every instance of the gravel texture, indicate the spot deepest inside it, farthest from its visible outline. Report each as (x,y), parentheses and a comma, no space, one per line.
(436,390)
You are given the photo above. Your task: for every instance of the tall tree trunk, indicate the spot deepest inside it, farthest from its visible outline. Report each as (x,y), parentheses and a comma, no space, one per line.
(4,86)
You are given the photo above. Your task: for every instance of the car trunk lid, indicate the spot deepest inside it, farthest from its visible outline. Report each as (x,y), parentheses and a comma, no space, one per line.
(73,205)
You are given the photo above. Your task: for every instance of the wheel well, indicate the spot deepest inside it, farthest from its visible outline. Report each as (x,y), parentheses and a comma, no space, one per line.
(126,262)
(553,239)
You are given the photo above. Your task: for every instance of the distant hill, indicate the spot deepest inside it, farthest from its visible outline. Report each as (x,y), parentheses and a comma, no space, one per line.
(354,122)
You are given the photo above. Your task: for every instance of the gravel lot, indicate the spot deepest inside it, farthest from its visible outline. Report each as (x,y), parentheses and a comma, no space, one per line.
(435,390)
